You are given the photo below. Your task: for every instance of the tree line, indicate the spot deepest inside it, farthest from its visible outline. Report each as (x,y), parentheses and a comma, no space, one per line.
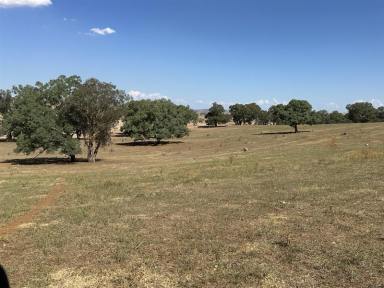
(296,112)
(54,116)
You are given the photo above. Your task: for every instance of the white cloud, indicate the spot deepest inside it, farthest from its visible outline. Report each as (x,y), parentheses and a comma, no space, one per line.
(333,106)
(138,95)
(225,104)
(262,102)
(103,32)
(65,19)
(375,102)
(20,3)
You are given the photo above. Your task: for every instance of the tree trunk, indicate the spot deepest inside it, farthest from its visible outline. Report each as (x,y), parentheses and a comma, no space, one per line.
(73,158)
(9,136)
(296,129)
(96,150)
(91,153)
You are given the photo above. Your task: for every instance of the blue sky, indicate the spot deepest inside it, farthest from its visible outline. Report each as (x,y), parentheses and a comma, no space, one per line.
(330,52)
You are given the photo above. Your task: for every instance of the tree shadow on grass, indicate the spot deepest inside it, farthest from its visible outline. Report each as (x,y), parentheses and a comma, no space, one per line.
(4,140)
(45,161)
(149,143)
(211,126)
(281,133)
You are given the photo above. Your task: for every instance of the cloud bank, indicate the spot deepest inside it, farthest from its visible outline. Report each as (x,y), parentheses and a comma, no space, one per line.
(103,32)
(138,95)
(24,3)
(375,102)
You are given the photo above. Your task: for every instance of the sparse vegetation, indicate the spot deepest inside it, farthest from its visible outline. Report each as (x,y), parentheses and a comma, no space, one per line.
(203,213)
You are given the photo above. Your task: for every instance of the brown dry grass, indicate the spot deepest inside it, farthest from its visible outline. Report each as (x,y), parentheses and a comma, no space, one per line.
(301,210)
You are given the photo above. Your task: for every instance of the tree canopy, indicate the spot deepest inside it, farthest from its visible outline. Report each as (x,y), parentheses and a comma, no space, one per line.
(93,109)
(246,113)
(36,124)
(156,119)
(5,101)
(216,115)
(295,113)
(380,113)
(277,114)
(361,112)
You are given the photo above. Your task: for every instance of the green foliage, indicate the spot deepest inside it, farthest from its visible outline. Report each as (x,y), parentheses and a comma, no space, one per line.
(216,115)
(93,110)
(295,113)
(252,113)
(323,117)
(157,119)
(380,113)
(245,114)
(320,117)
(34,121)
(361,112)
(277,114)
(336,117)
(238,113)
(5,101)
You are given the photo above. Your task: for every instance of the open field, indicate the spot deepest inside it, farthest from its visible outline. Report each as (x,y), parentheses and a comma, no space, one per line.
(295,210)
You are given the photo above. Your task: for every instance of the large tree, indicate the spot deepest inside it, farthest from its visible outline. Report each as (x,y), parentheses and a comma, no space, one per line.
(237,112)
(295,113)
(277,114)
(216,115)
(361,112)
(252,113)
(245,113)
(35,122)
(156,119)
(93,110)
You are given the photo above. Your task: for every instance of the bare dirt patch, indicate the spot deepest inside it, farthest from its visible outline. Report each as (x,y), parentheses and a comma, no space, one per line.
(24,221)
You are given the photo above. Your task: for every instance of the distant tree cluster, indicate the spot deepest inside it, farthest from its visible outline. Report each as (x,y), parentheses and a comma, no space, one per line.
(54,116)
(298,112)
(248,114)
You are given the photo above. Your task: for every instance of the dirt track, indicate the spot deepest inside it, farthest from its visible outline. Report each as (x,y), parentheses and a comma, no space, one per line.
(29,216)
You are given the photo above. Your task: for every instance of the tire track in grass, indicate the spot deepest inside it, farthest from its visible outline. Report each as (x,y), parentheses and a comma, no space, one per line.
(35,210)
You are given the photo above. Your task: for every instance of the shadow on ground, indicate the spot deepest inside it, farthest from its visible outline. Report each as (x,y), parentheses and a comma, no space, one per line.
(7,140)
(45,161)
(281,133)
(211,126)
(149,143)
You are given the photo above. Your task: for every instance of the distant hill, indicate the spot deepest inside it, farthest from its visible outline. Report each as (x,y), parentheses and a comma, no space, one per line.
(201,111)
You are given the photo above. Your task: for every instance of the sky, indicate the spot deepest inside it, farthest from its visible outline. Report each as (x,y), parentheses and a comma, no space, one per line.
(195,52)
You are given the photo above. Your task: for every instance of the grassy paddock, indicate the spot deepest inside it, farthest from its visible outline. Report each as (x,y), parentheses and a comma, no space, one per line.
(295,210)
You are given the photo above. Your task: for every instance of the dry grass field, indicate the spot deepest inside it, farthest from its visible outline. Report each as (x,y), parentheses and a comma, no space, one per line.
(295,210)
